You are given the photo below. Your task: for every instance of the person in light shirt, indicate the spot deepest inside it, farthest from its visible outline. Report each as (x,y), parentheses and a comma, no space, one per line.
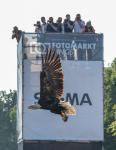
(79,24)
(43,25)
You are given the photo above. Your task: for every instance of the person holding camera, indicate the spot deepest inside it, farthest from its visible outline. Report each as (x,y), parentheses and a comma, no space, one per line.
(68,24)
(51,26)
(38,27)
(79,24)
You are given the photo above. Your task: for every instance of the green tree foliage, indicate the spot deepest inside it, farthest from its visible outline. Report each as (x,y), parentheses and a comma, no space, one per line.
(8,120)
(110,106)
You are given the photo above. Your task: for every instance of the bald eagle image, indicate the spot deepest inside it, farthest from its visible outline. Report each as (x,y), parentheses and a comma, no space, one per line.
(52,86)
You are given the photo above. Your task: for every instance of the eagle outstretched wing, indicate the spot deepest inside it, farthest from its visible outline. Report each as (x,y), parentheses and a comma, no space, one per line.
(51,78)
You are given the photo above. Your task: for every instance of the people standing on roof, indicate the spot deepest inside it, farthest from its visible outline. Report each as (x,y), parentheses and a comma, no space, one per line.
(89,28)
(59,24)
(38,27)
(51,26)
(68,24)
(16,33)
(79,24)
(43,25)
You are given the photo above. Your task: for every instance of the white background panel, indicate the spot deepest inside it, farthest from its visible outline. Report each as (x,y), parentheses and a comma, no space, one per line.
(87,125)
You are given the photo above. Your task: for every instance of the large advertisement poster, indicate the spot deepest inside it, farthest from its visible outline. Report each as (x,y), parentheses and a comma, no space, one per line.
(83,88)
(72,46)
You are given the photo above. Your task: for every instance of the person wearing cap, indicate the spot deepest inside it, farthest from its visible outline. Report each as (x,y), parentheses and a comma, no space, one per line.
(43,25)
(68,24)
(16,33)
(89,28)
(79,24)
(37,27)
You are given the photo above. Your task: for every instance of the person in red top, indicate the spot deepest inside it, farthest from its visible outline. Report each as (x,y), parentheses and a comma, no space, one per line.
(89,28)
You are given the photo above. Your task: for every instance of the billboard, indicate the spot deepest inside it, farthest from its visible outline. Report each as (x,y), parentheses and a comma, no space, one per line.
(72,46)
(83,81)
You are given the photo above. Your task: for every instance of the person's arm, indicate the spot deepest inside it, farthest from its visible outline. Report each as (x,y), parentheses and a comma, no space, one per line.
(69,25)
(81,24)
(93,30)
(53,27)
(13,34)
(45,27)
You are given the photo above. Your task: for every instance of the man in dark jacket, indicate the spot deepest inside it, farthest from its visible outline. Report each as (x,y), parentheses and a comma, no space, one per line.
(68,24)
(51,26)
(60,24)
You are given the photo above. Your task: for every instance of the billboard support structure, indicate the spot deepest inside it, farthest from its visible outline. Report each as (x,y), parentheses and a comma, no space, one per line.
(83,88)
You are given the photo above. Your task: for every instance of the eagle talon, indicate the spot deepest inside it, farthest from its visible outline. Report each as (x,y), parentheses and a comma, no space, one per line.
(65,118)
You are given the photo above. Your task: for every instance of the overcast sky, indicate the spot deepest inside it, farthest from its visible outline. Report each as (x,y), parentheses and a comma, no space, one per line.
(24,13)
